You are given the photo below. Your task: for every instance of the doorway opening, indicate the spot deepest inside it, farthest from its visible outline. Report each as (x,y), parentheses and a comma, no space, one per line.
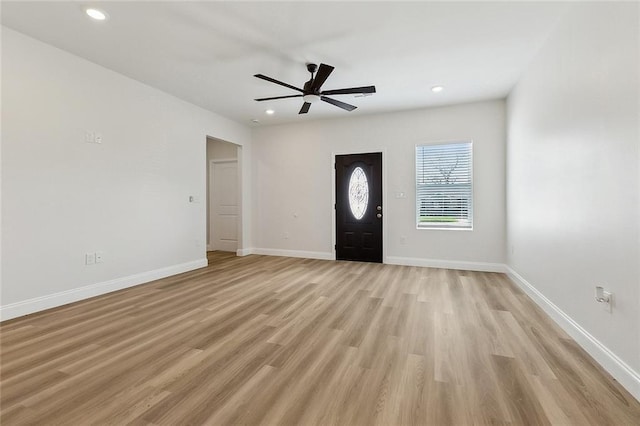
(224,219)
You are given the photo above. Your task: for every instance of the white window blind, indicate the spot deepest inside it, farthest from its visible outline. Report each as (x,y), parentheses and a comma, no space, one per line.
(444,185)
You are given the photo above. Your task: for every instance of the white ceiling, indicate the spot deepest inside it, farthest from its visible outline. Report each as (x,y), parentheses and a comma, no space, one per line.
(207,52)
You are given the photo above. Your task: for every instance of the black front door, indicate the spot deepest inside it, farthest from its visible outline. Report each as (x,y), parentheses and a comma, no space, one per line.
(359,207)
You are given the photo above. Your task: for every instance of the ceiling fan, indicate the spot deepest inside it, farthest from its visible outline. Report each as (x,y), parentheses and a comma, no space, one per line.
(312,93)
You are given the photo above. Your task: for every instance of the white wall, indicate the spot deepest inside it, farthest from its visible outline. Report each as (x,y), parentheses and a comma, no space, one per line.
(127,197)
(293,168)
(573,180)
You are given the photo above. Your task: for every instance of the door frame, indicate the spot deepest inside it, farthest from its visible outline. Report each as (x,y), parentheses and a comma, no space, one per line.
(212,164)
(382,151)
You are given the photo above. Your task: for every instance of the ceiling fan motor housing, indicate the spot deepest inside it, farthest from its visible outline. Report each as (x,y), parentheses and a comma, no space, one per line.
(307,86)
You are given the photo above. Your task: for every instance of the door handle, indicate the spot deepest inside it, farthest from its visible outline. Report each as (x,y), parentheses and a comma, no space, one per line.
(379,208)
(378,215)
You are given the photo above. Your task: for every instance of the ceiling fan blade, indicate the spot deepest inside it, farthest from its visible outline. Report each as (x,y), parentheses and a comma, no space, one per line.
(273,80)
(278,97)
(351,90)
(338,103)
(305,108)
(321,76)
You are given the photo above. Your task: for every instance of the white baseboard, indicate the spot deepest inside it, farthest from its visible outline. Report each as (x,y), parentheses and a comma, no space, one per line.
(622,372)
(244,252)
(25,307)
(392,260)
(447,264)
(295,253)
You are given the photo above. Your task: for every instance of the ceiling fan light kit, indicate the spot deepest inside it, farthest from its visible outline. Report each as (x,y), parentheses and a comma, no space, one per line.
(311,98)
(311,92)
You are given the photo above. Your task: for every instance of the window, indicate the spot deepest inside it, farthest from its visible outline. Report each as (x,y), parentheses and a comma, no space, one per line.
(444,186)
(358,193)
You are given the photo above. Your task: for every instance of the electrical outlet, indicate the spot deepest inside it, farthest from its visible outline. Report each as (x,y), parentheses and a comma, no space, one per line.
(403,240)
(89,137)
(99,256)
(97,138)
(286,235)
(605,298)
(89,258)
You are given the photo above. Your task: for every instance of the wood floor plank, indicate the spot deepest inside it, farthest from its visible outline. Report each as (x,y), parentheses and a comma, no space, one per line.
(524,407)
(276,340)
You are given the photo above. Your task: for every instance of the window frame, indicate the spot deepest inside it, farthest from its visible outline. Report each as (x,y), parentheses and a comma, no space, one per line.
(441,227)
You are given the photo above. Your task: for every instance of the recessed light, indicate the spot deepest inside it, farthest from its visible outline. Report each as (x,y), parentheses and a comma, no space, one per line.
(269,112)
(96,14)
(436,89)
(255,120)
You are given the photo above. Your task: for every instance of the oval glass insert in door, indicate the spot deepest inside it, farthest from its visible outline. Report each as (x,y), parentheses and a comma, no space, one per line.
(358,193)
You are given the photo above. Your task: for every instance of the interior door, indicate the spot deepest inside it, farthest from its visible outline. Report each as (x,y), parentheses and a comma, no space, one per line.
(359,207)
(224,206)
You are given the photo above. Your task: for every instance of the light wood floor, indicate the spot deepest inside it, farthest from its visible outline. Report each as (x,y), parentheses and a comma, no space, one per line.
(291,341)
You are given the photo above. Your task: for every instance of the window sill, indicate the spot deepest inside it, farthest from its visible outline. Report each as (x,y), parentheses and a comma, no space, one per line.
(442,228)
